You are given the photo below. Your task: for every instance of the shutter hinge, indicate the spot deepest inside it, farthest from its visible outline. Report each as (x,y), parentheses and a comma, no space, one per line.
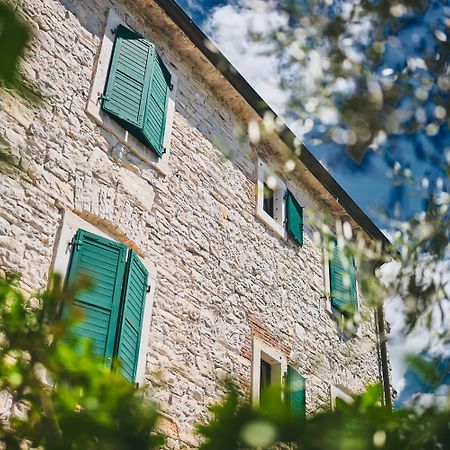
(76,243)
(114,30)
(148,289)
(164,150)
(170,87)
(103,97)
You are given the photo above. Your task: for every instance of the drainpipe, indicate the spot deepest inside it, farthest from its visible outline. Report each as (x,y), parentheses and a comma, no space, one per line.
(379,316)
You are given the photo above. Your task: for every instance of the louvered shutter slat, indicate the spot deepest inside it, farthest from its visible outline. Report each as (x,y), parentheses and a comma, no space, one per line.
(294,214)
(135,290)
(128,80)
(343,281)
(296,393)
(156,109)
(100,304)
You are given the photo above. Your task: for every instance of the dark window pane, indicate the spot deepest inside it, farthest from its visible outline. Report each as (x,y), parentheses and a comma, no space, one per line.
(265,377)
(268,200)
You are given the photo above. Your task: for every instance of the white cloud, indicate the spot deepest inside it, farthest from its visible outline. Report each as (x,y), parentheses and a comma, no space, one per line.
(423,338)
(229,26)
(192,6)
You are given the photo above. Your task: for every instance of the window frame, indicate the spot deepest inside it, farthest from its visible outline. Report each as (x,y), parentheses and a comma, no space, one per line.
(336,392)
(63,249)
(98,84)
(278,361)
(277,223)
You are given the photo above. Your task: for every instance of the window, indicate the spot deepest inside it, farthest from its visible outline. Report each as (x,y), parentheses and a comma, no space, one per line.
(64,250)
(268,367)
(270,378)
(133,93)
(113,307)
(342,276)
(337,393)
(270,370)
(137,89)
(277,207)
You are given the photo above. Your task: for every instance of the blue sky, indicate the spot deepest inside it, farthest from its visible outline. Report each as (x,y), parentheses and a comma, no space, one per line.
(370,185)
(417,384)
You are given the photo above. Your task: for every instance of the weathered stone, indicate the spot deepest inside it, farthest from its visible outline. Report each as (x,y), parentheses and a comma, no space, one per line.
(141,192)
(16,140)
(13,245)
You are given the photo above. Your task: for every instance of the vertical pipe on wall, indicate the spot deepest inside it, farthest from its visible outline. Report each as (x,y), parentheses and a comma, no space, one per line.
(381,329)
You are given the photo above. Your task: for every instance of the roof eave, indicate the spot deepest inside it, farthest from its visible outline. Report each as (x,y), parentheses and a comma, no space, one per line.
(210,51)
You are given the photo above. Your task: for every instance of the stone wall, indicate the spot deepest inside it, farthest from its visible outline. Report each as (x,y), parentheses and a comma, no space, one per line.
(222,276)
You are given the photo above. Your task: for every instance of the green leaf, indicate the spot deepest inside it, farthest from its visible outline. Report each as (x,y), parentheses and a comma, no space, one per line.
(14,35)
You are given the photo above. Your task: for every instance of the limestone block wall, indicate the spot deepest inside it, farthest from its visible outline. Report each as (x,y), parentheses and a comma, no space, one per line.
(222,276)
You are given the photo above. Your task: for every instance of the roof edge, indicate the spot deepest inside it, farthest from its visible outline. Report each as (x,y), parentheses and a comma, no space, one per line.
(240,84)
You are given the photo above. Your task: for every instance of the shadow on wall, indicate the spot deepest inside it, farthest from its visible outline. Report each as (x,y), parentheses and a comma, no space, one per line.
(197,105)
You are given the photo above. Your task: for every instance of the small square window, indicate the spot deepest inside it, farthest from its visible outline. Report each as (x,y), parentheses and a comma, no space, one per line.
(277,207)
(270,200)
(269,366)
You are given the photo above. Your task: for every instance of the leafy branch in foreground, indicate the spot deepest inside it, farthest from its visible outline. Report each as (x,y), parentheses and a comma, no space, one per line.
(65,397)
(362,425)
(367,73)
(14,35)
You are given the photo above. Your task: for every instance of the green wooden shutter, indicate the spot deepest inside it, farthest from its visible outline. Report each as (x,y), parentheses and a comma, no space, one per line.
(294,214)
(128,81)
(296,393)
(103,262)
(137,89)
(135,289)
(156,109)
(343,281)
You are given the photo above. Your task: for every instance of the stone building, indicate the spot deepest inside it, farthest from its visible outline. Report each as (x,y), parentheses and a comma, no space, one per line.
(135,170)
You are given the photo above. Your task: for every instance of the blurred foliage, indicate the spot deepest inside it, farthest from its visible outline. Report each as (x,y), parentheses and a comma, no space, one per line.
(415,267)
(362,425)
(366,74)
(61,395)
(431,371)
(14,35)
